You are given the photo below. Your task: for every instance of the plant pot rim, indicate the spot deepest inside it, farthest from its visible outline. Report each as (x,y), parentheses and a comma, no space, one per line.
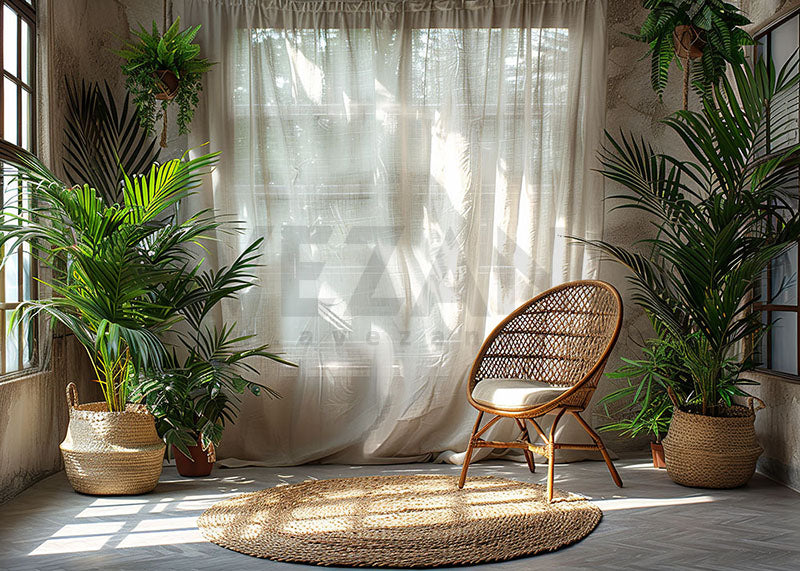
(748,412)
(167,93)
(130,408)
(693,50)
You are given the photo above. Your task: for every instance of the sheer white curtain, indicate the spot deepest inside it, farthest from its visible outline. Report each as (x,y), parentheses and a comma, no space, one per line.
(414,168)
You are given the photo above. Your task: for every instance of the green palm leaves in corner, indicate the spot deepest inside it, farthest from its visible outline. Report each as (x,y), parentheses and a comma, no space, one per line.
(114,268)
(196,392)
(720,218)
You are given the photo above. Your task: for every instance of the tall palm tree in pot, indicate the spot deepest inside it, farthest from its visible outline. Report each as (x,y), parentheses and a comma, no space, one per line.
(720,218)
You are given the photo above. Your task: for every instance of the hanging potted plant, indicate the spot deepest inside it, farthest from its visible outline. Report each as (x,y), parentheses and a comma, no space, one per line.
(721,218)
(161,69)
(707,32)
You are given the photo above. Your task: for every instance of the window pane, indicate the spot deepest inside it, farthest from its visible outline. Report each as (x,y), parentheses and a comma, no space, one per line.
(27,345)
(25,110)
(761,46)
(10,111)
(25,51)
(11,278)
(12,353)
(10,40)
(760,352)
(784,342)
(784,278)
(11,267)
(27,267)
(784,43)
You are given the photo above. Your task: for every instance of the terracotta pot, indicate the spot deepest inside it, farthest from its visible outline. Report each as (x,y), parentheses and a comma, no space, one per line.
(198,465)
(712,451)
(657,450)
(688,40)
(168,82)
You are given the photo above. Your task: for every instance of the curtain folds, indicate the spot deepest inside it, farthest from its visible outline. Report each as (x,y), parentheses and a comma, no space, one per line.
(415,169)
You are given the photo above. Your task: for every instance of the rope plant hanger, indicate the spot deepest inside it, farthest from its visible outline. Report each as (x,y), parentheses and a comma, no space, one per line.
(163,68)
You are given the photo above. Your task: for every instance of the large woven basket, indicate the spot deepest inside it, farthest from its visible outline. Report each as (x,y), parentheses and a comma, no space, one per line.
(111,453)
(712,451)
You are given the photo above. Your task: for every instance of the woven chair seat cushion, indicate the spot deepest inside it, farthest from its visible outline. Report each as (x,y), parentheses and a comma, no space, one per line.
(514,394)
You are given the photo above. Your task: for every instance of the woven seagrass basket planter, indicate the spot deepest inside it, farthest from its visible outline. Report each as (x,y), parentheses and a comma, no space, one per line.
(111,453)
(712,451)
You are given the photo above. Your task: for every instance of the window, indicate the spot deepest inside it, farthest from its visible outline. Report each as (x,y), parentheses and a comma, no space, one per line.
(352,122)
(779,289)
(17,121)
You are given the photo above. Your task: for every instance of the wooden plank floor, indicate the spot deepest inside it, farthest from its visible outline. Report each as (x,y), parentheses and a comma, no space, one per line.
(650,524)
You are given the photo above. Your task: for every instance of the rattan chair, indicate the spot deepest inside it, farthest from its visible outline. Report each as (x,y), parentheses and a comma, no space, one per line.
(545,358)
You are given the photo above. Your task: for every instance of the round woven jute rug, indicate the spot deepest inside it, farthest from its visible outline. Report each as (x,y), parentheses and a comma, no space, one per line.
(399,521)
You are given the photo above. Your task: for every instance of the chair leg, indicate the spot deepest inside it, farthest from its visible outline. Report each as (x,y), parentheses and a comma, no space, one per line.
(526,437)
(468,454)
(551,455)
(601,447)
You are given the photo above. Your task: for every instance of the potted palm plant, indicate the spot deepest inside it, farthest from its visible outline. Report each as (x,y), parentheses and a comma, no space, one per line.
(721,217)
(643,405)
(708,31)
(162,68)
(108,264)
(197,390)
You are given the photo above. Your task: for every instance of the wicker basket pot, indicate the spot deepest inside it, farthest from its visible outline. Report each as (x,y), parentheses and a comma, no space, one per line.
(111,453)
(712,451)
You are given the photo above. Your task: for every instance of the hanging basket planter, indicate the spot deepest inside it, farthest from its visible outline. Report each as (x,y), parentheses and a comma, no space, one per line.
(688,41)
(168,82)
(162,70)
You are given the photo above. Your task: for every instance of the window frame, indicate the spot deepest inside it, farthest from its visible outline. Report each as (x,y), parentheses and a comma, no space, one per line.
(768,307)
(25,11)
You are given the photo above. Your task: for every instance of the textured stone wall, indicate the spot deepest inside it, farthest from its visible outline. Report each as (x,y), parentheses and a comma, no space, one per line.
(33,416)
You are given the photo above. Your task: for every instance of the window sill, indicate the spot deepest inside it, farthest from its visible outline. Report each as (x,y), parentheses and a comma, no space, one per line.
(766,374)
(22,375)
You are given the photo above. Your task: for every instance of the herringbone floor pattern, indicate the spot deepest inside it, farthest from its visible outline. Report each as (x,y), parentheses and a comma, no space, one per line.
(651,523)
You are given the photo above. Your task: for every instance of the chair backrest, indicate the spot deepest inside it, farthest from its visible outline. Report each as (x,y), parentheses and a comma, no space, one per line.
(560,337)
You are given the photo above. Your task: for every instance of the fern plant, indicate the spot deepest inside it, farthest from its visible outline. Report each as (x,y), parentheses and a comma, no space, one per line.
(717,28)
(148,59)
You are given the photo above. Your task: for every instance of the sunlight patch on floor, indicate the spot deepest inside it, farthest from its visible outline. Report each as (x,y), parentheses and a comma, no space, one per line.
(71,545)
(167,537)
(641,503)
